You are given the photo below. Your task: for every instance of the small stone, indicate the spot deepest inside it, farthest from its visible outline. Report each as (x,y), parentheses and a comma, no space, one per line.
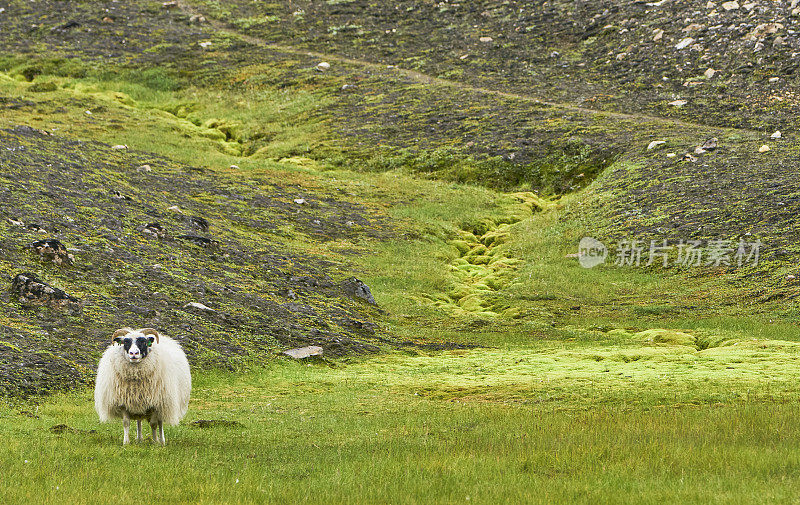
(688,41)
(758,47)
(357,289)
(170,5)
(15,222)
(776,135)
(300,201)
(175,208)
(486,39)
(621,56)
(144,168)
(773,80)
(108,20)
(204,45)
(678,103)
(652,145)
(198,306)
(693,28)
(730,6)
(699,150)
(710,5)
(763,149)
(119,146)
(710,144)
(658,34)
(689,157)
(790,277)
(304,352)
(671,155)
(709,73)
(323,66)
(234,167)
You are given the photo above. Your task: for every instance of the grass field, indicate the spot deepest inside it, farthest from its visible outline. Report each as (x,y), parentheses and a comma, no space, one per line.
(452,427)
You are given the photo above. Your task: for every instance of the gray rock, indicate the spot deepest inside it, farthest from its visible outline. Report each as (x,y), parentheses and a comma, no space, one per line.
(304,352)
(357,289)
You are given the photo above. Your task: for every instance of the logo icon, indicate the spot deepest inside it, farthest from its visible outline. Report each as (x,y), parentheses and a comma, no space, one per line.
(591,252)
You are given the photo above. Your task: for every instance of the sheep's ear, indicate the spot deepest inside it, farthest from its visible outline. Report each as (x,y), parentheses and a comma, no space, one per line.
(117,336)
(149,331)
(150,341)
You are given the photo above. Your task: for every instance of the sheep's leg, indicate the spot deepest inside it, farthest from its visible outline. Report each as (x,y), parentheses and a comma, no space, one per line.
(154,427)
(161,431)
(126,426)
(138,430)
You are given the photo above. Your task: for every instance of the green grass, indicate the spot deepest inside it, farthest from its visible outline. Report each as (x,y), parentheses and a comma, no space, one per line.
(442,428)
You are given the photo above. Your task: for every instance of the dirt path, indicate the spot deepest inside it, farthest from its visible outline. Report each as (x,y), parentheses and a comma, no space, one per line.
(424,78)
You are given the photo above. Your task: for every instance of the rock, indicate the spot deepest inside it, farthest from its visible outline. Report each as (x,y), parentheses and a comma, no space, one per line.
(688,41)
(486,39)
(699,150)
(154,229)
(32,291)
(671,155)
(199,223)
(773,80)
(776,135)
(652,145)
(52,250)
(730,6)
(710,144)
(205,45)
(689,157)
(119,146)
(300,201)
(15,222)
(694,27)
(116,195)
(108,20)
(198,306)
(304,352)
(758,47)
(709,73)
(197,18)
(175,208)
(144,168)
(234,167)
(763,149)
(658,34)
(322,66)
(357,289)
(170,5)
(790,277)
(678,103)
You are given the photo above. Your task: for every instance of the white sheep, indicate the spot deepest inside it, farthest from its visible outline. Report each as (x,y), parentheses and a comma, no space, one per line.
(143,375)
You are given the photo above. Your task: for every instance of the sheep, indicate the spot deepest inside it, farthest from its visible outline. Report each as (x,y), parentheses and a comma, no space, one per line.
(142,375)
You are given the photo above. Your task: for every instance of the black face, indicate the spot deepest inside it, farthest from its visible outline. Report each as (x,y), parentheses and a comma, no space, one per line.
(133,344)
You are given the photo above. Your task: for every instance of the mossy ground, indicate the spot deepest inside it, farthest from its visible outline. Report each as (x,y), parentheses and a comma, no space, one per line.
(506,372)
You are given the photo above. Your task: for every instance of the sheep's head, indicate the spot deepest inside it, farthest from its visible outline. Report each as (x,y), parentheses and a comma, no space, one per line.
(137,343)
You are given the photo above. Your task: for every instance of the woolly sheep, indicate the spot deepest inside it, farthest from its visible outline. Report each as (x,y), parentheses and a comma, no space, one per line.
(143,375)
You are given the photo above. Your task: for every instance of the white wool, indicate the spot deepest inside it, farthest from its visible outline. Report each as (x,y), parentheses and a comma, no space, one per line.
(155,389)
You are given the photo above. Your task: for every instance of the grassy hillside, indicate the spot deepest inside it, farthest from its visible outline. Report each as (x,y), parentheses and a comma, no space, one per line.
(211,160)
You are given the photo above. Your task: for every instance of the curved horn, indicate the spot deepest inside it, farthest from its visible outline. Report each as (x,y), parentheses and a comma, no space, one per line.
(120,332)
(149,331)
